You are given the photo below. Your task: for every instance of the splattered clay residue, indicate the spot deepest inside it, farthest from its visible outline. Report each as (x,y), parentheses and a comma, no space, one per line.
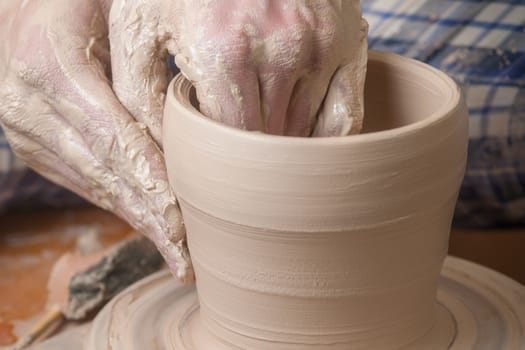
(30,243)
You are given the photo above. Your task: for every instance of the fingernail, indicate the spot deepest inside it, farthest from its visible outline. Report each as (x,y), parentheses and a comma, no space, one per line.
(173,216)
(179,261)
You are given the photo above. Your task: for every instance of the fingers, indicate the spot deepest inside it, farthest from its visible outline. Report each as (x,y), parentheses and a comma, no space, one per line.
(308,95)
(129,165)
(343,107)
(74,130)
(138,165)
(220,67)
(45,161)
(138,60)
(140,79)
(233,101)
(341,113)
(57,150)
(275,92)
(248,73)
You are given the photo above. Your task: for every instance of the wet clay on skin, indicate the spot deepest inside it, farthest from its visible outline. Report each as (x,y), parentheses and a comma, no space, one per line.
(61,116)
(280,67)
(263,65)
(305,243)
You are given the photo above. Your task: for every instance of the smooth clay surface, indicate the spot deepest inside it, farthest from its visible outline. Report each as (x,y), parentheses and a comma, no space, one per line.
(302,243)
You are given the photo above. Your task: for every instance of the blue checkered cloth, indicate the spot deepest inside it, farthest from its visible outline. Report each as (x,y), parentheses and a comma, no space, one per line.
(479,43)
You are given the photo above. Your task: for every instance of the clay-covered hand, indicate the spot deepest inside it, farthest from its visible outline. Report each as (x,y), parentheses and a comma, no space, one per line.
(282,67)
(61,116)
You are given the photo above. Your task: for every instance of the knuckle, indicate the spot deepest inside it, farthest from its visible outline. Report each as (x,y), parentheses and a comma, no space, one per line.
(21,147)
(11,108)
(230,50)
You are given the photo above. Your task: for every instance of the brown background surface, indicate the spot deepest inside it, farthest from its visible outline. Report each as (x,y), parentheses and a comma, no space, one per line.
(500,249)
(30,244)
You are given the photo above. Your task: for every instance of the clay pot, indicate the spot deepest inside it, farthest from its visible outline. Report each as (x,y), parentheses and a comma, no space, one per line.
(302,243)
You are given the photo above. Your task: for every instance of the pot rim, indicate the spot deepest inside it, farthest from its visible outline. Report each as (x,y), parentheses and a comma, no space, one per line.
(180,89)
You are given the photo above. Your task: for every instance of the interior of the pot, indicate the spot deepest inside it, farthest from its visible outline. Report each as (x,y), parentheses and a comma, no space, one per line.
(397,94)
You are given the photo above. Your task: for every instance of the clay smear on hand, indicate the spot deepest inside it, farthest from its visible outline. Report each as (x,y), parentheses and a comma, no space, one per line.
(289,68)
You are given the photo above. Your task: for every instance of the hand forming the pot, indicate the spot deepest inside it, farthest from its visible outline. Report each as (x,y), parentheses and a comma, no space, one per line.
(61,116)
(282,67)
(256,65)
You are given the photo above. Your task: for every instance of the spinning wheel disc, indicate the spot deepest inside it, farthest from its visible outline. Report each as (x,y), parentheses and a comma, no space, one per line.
(478,309)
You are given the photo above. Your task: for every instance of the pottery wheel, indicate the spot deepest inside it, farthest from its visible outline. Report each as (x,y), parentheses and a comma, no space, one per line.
(479,309)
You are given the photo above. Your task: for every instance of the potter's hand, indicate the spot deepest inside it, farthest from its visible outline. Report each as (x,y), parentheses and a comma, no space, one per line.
(259,65)
(61,116)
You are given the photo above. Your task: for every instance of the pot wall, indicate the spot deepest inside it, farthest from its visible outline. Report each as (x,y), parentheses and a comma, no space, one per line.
(305,242)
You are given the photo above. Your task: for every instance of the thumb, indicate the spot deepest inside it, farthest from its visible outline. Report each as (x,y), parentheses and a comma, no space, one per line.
(343,107)
(342,110)
(140,71)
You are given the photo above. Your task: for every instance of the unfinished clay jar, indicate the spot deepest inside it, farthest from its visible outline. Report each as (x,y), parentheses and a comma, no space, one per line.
(310,243)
